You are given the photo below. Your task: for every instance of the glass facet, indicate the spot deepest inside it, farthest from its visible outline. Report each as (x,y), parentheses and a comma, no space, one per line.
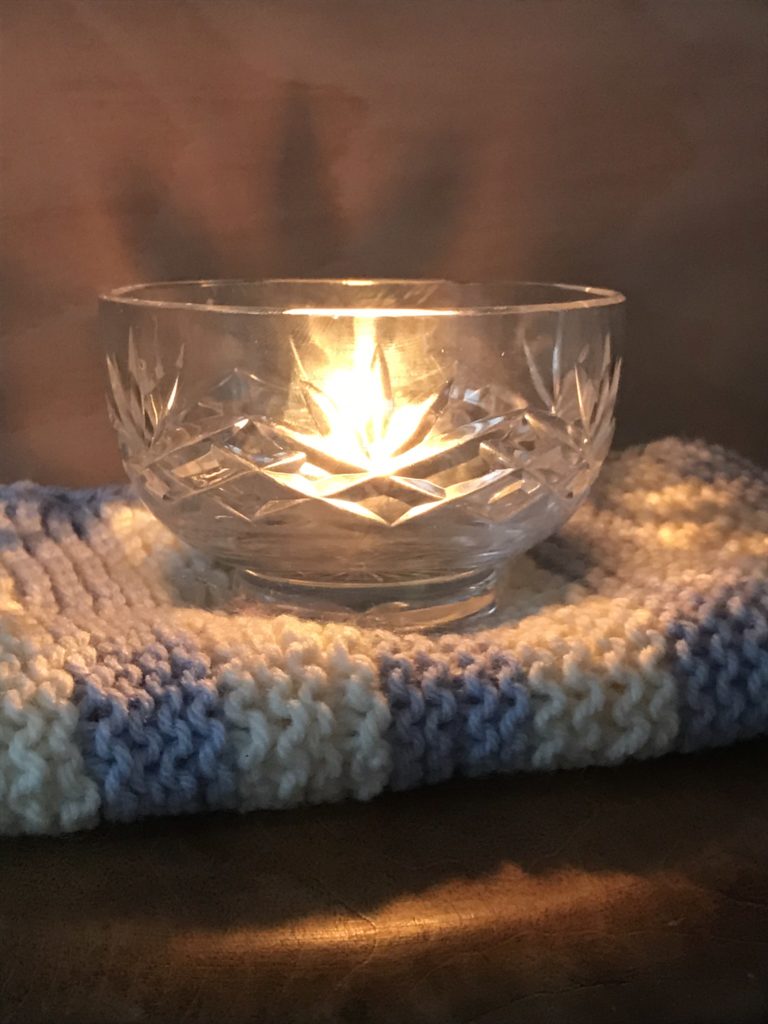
(372,447)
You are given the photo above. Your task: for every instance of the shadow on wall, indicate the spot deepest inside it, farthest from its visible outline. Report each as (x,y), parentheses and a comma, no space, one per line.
(309,224)
(418,219)
(410,229)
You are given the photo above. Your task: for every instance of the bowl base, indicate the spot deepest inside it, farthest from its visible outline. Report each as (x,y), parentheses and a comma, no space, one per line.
(424,604)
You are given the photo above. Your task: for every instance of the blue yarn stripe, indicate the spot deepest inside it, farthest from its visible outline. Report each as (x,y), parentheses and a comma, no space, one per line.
(718,651)
(151,730)
(468,718)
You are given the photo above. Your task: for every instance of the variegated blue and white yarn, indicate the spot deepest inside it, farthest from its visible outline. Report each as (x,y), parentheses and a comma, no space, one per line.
(641,628)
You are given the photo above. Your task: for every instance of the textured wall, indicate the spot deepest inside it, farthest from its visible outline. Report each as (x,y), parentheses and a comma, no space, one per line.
(616,143)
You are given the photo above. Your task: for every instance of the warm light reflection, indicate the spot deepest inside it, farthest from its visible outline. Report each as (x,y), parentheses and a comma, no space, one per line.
(561,901)
(365,415)
(375,313)
(360,423)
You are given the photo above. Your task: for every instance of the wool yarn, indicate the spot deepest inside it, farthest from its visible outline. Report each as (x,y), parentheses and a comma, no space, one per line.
(129,686)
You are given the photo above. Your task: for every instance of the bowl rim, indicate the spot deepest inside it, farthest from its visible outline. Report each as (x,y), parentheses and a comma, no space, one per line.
(593,297)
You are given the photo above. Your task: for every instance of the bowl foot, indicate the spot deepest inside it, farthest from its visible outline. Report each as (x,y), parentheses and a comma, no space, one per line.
(419,605)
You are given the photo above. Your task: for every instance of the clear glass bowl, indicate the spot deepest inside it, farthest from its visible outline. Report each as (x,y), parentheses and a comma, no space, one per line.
(373,447)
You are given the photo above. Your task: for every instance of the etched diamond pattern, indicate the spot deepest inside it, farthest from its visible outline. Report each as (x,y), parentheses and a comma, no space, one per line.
(467,460)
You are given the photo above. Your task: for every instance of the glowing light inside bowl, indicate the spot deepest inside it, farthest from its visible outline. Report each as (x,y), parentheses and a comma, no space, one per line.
(360,423)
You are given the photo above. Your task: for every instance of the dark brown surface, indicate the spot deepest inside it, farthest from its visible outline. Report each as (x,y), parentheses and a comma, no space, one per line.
(619,143)
(637,894)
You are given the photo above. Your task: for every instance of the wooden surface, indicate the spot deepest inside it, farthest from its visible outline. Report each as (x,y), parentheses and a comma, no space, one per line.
(631,895)
(614,143)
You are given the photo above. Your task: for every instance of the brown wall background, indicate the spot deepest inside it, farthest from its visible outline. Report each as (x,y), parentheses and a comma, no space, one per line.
(613,143)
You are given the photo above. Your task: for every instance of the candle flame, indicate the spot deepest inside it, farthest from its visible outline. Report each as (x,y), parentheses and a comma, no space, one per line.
(353,406)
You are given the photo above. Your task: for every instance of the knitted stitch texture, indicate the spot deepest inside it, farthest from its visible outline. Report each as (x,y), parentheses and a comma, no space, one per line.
(129,686)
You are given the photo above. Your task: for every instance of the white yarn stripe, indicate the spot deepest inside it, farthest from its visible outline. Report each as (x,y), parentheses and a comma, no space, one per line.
(306,720)
(43,784)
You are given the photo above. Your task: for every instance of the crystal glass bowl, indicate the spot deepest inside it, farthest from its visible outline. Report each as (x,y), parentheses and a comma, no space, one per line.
(373,447)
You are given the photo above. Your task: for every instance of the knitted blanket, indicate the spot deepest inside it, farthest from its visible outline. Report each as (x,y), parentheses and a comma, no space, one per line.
(129,686)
